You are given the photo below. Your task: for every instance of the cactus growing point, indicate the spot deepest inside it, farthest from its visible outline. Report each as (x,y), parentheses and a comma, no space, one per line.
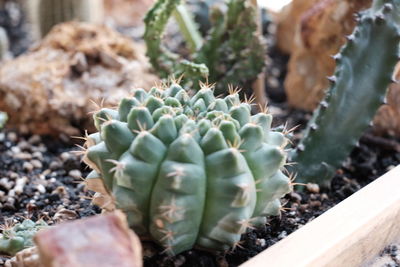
(188,170)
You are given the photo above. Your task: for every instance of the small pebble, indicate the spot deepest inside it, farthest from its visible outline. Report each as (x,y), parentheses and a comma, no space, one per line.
(13,175)
(23,156)
(41,188)
(12,137)
(27,166)
(54,165)
(11,194)
(324,196)
(261,242)
(273,82)
(282,235)
(20,184)
(65,156)
(75,174)
(36,164)
(5,183)
(15,150)
(312,188)
(38,155)
(60,191)
(35,139)
(179,261)
(296,197)
(315,204)
(390,167)
(23,145)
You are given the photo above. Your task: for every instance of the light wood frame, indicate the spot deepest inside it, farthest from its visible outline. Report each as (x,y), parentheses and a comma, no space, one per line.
(349,234)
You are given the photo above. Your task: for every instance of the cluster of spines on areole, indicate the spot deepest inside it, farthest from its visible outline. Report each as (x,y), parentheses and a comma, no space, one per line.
(204,113)
(382,15)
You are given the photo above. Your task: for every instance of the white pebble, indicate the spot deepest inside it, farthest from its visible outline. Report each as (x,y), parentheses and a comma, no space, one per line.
(12,136)
(261,242)
(27,166)
(41,188)
(20,184)
(75,174)
(37,164)
(65,156)
(15,149)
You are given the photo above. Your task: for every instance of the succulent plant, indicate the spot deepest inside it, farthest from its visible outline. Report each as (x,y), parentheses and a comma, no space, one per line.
(234,53)
(47,13)
(3,119)
(364,69)
(188,170)
(19,236)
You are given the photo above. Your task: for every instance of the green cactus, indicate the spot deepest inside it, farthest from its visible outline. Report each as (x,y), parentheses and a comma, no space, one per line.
(188,170)
(4,44)
(3,119)
(46,13)
(358,88)
(19,236)
(233,54)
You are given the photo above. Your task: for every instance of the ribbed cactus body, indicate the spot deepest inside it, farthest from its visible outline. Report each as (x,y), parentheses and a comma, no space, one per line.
(189,171)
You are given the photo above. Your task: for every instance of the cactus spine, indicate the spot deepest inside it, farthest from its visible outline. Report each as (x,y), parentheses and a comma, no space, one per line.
(233,53)
(188,170)
(19,236)
(356,92)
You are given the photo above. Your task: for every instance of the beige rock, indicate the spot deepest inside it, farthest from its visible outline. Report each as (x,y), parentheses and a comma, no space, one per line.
(28,257)
(102,240)
(321,34)
(288,21)
(49,90)
(127,13)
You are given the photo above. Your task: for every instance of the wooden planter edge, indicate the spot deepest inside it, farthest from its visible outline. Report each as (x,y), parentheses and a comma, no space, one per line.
(349,234)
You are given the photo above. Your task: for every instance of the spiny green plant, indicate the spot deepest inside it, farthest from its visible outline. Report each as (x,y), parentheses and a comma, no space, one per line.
(364,70)
(3,119)
(187,170)
(16,237)
(233,52)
